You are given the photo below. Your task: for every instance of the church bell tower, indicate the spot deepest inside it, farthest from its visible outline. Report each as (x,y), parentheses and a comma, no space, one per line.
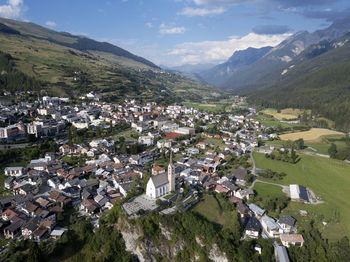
(171,173)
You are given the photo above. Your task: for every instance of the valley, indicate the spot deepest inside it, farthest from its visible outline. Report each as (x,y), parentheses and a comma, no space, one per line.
(209,141)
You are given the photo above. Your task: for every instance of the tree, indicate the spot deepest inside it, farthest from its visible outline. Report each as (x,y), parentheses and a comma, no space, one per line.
(34,253)
(332,151)
(300,143)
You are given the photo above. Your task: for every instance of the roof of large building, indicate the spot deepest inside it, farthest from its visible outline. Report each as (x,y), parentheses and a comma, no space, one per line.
(298,192)
(160,180)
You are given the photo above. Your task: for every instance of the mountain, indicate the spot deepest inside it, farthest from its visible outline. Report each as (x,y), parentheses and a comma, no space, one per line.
(189,68)
(190,71)
(318,79)
(80,43)
(67,64)
(219,74)
(258,74)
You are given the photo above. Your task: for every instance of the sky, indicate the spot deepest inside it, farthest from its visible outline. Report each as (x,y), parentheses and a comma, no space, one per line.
(177,32)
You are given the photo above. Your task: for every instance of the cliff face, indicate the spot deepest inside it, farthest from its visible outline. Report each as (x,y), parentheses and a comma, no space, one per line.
(166,247)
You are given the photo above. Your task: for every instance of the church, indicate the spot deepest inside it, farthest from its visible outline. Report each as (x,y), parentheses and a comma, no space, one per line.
(162,184)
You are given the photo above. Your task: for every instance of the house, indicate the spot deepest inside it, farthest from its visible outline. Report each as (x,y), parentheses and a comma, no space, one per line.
(57,233)
(287,224)
(146,140)
(156,170)
(14,171)
(9,215)
(281,254)
(244,193)
(222,189)
(26,189)
(258,211)
(30,227)
(192,151)
(242,209)
(252,227)
(292,239)
(141,159)
(13,229)
(240,175)
(270,226)
(9,183)
(30,208)
(89,206)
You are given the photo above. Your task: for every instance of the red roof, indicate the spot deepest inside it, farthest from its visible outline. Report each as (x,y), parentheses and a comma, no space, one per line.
(172,135)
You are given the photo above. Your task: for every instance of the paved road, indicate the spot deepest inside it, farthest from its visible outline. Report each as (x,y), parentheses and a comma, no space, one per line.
(253,162)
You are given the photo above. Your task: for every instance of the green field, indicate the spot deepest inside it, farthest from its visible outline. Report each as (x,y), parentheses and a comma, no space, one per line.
(271,122)
(212,210)
(329,179)
(266,190)
(210,107)
(323,145)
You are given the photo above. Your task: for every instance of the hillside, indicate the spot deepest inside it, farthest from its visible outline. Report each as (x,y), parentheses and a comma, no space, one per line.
(69,65)
(319,79)
(258,74)
(219,74)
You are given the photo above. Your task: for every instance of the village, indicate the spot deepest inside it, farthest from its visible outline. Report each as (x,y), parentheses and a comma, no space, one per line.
(154,158)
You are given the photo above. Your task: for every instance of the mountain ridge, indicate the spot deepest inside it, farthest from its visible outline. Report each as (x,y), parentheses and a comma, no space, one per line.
(80,43)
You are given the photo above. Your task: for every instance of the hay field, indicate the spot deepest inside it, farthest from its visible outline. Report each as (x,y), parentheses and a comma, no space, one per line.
(313,135)
(284,114)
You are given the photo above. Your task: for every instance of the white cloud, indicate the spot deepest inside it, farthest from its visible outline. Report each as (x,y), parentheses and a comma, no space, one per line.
(12,9)
(190,11)
(216,2)
(50,24)
(149,25)
(219,51)
(171,30)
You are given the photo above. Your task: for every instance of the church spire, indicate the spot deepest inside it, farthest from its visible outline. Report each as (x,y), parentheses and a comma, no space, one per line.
(171,173)
(171,157)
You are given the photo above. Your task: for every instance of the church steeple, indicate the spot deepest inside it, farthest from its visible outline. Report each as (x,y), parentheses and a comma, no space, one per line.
(171,173)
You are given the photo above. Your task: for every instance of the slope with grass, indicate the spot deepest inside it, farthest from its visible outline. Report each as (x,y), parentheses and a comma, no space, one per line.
(328,178)
(70,65)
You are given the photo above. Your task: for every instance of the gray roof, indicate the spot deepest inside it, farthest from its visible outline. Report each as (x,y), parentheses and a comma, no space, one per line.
(256,209)
(252,224)
(240,173)
(229,185)
(270,222)
(288,220)
(160,180)
(281,254)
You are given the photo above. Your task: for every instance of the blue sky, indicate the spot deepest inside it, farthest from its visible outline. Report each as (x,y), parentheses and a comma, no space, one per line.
(174,32)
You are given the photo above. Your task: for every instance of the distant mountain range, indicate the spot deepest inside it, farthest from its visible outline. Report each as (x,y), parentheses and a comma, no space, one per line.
(252,68)
(220,74)
(67,64)
(307,70)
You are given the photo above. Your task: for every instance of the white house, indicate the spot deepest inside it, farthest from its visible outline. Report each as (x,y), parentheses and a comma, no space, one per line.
(292,239)
(14,171)
(270,226)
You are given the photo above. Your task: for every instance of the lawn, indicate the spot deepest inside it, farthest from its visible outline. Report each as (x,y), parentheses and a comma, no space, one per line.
(328,178)
(209,107)
(215,142)
(212,210)
(266,190)
(313,135)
